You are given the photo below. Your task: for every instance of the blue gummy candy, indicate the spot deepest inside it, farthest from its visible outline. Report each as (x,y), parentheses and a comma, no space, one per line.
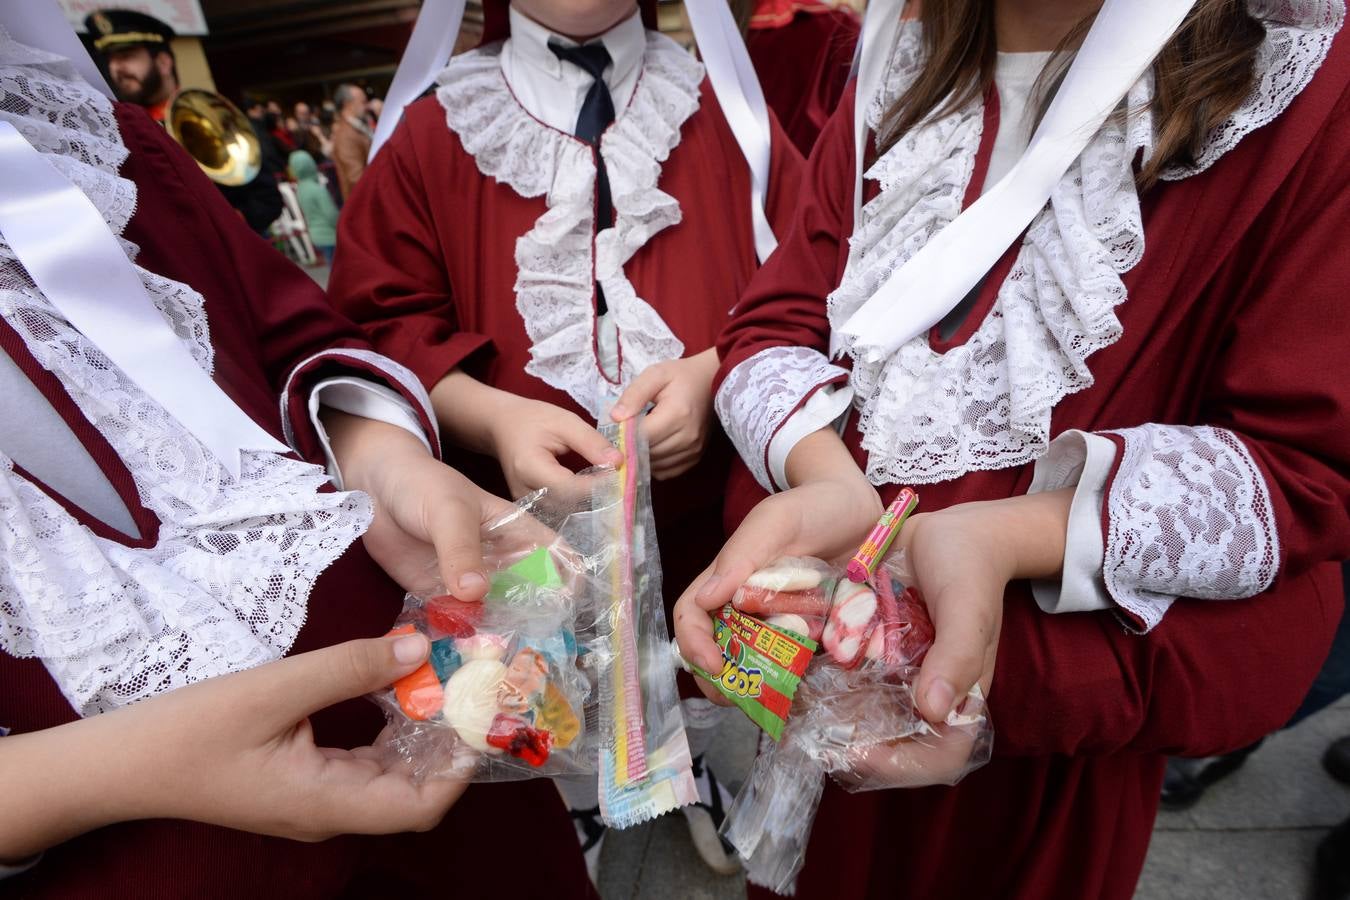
(445,659)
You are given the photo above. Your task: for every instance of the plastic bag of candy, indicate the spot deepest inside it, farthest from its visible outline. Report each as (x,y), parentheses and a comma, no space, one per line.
(853,718)
(561,669)
(646,769)
(508,677)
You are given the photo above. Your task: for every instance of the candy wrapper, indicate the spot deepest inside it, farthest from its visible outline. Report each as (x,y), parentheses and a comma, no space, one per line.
(854,720)
(768,635)
(645,764)
(563,668)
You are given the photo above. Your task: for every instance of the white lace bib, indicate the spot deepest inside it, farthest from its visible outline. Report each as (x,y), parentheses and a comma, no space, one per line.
(562,257)
(227,582)
(926,416)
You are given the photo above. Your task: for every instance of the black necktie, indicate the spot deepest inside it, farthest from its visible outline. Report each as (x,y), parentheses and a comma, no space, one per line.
(597,114)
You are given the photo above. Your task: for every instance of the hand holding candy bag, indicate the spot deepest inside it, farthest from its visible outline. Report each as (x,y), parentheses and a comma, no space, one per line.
(505,678)
(563,667)
(853,717)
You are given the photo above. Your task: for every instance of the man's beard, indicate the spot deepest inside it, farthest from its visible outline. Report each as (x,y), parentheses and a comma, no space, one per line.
(150,88)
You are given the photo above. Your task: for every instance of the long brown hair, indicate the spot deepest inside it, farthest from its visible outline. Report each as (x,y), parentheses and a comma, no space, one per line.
(1201,76)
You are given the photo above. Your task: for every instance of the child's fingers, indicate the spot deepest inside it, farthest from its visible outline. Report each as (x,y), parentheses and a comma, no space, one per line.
(540,469)
(309,682)
(590,444)
(455,523)
(355,802)
(663,427)
(693,627)
(641,391)
(966,627)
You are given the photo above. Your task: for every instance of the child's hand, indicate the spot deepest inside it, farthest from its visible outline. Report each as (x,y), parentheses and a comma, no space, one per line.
(528,437)
(428,517)
(235,751)
(677,426)
(825,518)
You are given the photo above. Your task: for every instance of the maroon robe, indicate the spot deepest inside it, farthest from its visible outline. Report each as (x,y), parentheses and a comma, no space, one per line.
(266,317)
(427,265)
(803,53)
(1234,319)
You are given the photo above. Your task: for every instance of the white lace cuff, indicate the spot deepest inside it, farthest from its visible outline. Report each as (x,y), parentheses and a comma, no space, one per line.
(1083,461)
(1189,515)
(759,395)
(366,399)
(823,409)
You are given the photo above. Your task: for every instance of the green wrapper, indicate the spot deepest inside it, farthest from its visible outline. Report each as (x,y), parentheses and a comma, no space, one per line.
(762,667)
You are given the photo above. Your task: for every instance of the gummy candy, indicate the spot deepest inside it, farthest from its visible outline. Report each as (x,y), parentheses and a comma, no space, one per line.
(516,737)
(452,616)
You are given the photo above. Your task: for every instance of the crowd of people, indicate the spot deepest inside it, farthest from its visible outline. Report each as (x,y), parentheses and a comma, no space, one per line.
(327,149)
(1116,376)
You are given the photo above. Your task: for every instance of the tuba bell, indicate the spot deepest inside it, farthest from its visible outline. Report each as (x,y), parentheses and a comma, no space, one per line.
(217,135)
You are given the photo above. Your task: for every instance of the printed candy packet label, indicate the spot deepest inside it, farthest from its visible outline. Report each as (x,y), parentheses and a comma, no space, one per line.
(762,667)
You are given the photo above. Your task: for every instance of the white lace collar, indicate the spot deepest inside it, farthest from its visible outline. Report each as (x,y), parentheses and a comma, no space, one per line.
(554,285)
(226,584)
(986,404)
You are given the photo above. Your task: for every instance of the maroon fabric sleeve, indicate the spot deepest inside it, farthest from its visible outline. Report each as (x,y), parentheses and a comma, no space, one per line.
(804,68)
(1282,382)
(261,307)
(784,304)
(389,275)
(1215,676)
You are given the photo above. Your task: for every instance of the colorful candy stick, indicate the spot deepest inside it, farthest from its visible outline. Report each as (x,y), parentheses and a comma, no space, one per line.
(864,563)
(631,744)
(644,761)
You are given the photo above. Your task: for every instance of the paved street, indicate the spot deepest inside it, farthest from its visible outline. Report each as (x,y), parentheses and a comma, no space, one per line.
(1251,837)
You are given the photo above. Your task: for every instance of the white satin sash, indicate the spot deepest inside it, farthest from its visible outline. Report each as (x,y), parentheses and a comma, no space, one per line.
(75,260)
(1121,45)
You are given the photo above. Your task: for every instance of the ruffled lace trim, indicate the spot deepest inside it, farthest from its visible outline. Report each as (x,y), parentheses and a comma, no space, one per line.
(561,258)
(226,585)
(986,404)
(1299,34)
(762,392)
(1189,516)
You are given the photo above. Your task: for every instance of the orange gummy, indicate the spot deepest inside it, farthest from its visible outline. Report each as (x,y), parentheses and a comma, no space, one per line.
(419,694)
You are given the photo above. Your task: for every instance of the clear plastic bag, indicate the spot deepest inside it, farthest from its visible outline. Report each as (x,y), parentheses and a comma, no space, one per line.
(508,683)
(854,720)
(563,668)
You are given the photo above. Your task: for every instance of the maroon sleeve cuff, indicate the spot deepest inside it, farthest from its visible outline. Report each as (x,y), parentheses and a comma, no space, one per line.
(299,430)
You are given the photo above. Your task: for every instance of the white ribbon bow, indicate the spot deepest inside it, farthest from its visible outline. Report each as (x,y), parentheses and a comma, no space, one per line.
(1123,42)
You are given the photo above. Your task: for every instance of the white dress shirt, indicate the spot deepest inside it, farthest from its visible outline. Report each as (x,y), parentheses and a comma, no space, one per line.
(553,91)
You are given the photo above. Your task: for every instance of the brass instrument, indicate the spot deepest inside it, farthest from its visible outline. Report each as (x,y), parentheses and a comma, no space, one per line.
(217,135)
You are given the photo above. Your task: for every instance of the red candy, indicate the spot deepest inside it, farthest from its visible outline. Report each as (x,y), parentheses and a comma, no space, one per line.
(916,632)
(759,601)
(516,737)
(452,616)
